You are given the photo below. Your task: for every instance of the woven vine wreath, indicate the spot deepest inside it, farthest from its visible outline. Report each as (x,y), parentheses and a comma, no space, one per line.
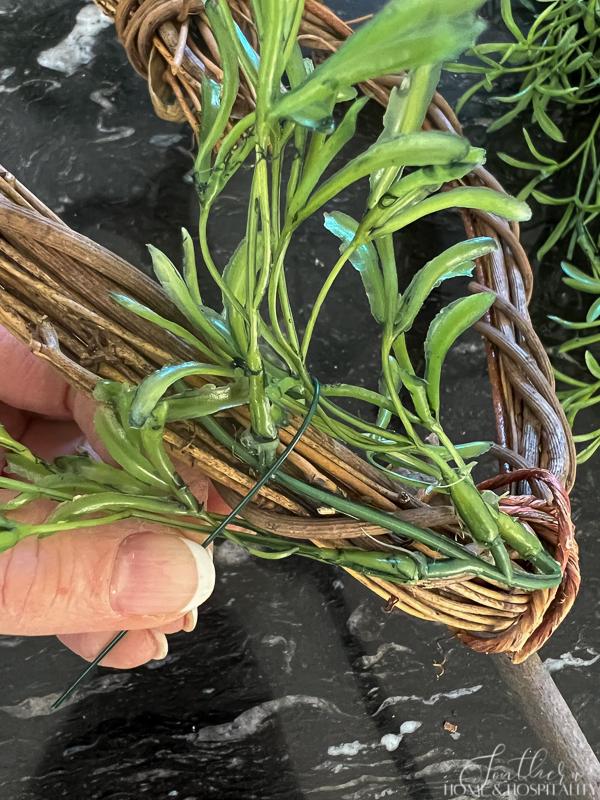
(55,295)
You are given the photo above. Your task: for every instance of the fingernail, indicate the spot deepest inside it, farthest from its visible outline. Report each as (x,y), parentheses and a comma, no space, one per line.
(190,620)
(159,573)
(162,647)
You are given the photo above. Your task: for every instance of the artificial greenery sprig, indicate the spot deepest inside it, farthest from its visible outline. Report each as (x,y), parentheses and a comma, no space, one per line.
(579,394)
(254,350)
(557,61)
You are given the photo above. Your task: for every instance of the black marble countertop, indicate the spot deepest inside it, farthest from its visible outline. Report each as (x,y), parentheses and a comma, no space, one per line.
(295,684)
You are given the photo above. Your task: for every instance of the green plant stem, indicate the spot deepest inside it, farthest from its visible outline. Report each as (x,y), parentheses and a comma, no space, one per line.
(322,296)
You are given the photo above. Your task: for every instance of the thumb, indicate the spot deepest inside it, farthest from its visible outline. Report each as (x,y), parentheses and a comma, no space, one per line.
(130,576)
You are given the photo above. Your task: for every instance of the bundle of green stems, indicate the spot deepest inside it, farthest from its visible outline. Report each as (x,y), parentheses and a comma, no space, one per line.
(252,352)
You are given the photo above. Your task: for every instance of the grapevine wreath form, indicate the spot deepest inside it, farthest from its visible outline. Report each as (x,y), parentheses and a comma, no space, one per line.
(57,292)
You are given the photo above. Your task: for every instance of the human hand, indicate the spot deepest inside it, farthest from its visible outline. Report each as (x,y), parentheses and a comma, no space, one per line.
(86,585)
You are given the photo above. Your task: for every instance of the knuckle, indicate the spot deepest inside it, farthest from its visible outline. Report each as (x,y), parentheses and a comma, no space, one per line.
(21,575)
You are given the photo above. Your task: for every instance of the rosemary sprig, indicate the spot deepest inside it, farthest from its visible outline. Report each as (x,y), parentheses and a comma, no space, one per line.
(557,61)
(579,394)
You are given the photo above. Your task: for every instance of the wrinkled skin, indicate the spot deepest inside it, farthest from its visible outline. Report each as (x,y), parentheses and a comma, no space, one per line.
(61,585)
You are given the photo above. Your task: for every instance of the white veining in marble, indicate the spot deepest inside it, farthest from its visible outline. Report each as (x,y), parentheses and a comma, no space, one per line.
(347,748)
(229,554)
(77,48)
(288,647)
(453,694)
(250,721)
(102,97)
(41,706)
(165,139)
(569,660)
(391,741)
(388,647)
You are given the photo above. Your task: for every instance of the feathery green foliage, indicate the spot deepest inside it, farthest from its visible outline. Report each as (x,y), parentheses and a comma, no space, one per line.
(557,62)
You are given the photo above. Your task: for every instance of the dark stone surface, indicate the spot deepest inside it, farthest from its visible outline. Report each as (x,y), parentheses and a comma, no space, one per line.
(295,684)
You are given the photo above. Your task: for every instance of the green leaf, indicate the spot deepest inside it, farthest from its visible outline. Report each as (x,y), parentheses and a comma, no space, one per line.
(111,502)
(574,326)
(509,21)
(482,199)
(217,99)
(546,124)
(211,103)
(247,56)
(519,96)
(414,150)
(177,291)
(474,449)
(586,242)
(594,311)
(323,150)
(518,164)
(557,233)
(146,313)
(404,34)
(578,62)
(152,389)
(577,279)
(592,364)
(405,113)
(235,276)
(121,449)
(417,388)
(422,182)
(535,152)
(501,122)
(446,327)
(585,454)
(207,401)
(26,467)
(310,105)
(190,270)
(548,200)
(11,444)
(153,447)
(277,27)
(364,260)
(85,469)
(455,261)
(405,460)
(384,415)
(235,148)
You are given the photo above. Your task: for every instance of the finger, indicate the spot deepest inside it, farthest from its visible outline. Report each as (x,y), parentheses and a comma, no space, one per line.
(34,385)
(135,649)
(216,504)
(14,420)
(131,575)
(186,623)
(49,439)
